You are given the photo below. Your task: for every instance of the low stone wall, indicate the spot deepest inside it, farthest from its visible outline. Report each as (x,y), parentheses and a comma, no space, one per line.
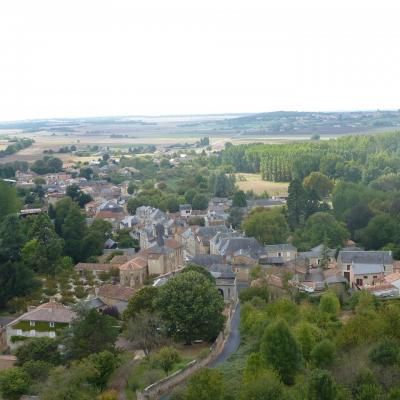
(166,385)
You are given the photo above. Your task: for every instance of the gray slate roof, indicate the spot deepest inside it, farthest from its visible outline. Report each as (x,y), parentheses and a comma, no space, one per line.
(366,257)
(280,247)
(365,269)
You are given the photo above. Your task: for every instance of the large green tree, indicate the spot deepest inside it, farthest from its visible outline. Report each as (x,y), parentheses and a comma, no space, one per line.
(73,231)
(92,332)
(14,382)
(266,225)
(44,249)
(191,307)
(319,183)
(9,202)
(281,350)
(296,203)
(322,227)
(12,238)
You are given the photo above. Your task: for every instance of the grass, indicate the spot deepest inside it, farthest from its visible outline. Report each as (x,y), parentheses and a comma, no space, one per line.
(254,182)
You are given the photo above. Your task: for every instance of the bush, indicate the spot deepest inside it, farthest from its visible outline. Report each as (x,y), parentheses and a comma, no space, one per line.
(248,293)
(37,370)
(166,358)
(323,354)
(14,382)
(386,352)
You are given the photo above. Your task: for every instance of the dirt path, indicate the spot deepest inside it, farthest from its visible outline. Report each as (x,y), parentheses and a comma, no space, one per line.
(120,380)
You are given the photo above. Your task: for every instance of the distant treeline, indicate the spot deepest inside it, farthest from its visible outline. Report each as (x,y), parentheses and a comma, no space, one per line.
(15,146)
(351,158)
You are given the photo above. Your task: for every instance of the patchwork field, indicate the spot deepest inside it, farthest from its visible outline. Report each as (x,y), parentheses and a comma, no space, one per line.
(254,182)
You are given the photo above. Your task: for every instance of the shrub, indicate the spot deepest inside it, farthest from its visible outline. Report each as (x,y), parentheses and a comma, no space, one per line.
(386,352)
(323,354)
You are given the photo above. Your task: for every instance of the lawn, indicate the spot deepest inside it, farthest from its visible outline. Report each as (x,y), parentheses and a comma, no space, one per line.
(257,185)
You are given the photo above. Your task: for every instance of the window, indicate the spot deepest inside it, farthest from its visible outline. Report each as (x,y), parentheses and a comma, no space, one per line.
(32,323)
(375,276)
(51,324)
(365,277)
(52,334)
(32,332)
(348,268)
(19,332)
(279,254)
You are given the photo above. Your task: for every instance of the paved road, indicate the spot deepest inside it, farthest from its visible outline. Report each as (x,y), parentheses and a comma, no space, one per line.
(233,341)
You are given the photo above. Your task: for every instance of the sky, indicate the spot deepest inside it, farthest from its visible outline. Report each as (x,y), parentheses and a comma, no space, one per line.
(72,58)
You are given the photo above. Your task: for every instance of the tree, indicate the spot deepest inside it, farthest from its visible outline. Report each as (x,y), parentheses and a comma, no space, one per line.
(222,185)
(91,333)
(16,279)
(247,294)
(381,230)
(39,349)
(199,269)
(12,238)
(306,334)
(191,307)
(104,364)
(200,202)
(319,183)
(189,195)
(9,202)
(266,386)
(296,203)
(144,331)
(205,385)
(281,350)
(44,249)
(14,382)
(239,199)
(166,358)
(235,217)
(329,303)
(142,300)
(255,367)
(86,173)
(171,203)
(322,226)
(323,353)
(73,232)
(321,386)
(266,225)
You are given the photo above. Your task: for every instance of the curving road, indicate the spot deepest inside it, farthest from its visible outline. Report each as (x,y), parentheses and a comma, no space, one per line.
(232,343)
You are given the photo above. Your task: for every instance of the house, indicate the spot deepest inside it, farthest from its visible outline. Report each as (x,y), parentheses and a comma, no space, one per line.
(318,255)
(164,257)
(284,252)
(185,210)
(4,321)
(365,268)
(134,272)
(225,281)
(45,320)
(115,295)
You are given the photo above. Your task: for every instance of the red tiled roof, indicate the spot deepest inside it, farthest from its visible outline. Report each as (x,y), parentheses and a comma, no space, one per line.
(116,292)
(93,267)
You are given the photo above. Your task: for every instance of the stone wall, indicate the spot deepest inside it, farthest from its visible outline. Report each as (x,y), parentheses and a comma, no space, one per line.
(166,385)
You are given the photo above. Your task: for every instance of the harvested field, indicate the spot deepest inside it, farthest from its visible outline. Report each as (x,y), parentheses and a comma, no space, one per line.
(254,182)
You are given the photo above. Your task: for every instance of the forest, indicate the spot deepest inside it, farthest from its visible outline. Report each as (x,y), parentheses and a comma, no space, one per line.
(352,158)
